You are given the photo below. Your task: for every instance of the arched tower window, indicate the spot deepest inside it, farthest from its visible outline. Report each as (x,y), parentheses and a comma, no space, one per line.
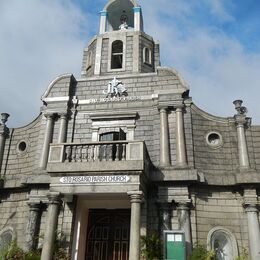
(117,55)
(147,55)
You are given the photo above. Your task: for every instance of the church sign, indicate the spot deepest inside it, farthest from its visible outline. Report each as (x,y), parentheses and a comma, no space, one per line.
(94,179)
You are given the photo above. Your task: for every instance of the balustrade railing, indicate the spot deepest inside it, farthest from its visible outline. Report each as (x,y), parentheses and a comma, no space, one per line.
(91,152)
(98,151)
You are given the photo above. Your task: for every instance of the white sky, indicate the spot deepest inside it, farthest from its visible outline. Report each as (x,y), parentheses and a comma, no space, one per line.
(41,39)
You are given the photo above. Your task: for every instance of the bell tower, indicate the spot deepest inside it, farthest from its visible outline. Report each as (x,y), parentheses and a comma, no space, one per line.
(121,46)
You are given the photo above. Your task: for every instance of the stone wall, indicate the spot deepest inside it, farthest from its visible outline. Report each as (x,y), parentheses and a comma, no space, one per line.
(219,207)
(14,213)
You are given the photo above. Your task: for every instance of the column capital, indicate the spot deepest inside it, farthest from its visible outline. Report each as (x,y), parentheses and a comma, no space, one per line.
(49,115)
(179,107)
(162,204)
(163,108)
(184,205)
(54,198)
(135,196)
(34,206)
(240,120)
(63,115)
(250,207)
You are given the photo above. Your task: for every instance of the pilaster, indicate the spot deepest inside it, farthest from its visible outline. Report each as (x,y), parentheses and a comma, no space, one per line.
(137,17)
(103,22)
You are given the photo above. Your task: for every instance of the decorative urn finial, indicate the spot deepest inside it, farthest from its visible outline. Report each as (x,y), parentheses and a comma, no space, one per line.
(4,118)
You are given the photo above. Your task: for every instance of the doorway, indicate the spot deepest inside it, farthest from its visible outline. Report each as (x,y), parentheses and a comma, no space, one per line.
(108,234)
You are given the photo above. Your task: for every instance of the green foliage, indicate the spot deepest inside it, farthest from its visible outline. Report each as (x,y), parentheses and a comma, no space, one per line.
(151,246)
(12,252)
(199,252)
(60,253)
(244,255)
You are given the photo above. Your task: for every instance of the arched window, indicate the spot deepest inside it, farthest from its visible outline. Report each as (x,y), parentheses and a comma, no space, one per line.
(223,242)
(89,60)
(147,55)
(117,55)
(6,237)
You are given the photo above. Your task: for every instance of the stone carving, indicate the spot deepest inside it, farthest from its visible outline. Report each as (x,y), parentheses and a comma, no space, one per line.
(115,88)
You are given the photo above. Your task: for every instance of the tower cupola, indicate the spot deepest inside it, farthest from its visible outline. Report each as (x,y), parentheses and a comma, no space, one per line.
(121,15)
(121,46)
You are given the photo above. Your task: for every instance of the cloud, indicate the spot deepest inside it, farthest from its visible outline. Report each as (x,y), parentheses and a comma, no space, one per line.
(217,66)
(42,39)
(38,41)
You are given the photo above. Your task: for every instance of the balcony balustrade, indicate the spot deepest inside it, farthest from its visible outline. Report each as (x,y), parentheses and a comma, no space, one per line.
(98,156)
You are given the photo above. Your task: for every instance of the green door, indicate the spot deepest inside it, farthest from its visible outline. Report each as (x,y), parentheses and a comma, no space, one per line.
(175,246)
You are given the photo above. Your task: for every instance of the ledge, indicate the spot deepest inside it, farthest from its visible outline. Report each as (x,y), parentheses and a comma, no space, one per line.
(106,166)
(173,174)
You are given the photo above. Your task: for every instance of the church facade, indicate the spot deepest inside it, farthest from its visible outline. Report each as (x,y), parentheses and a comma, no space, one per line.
(123,152)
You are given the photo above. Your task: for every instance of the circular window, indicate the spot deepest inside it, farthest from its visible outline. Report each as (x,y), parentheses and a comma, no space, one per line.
(22,147)
(214,139)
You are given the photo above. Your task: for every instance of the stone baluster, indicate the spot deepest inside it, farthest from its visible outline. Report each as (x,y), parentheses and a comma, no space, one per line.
(51,225)
(32,229)
(185,223)
(4,131)
(47,140)
(164,138)
(253,230)
(181,157)
(63,128)
(136,200)
(242,121)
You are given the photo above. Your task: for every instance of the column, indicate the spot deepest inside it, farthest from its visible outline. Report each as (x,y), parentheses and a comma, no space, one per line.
(63,128)
(47,140)
(181,158)
(242,146)
(51,225)
(135,200)
(164,217)
(164,138)
(185,224)
(137,18)
(32,229)
(242,121)
(3,134)
(103,22)
(253,230)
